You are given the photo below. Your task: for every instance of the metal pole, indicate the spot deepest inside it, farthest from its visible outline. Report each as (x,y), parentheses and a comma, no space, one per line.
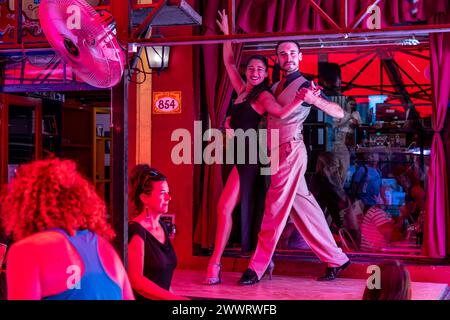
(19,21)
(323,14)
(119,114)
(231,16)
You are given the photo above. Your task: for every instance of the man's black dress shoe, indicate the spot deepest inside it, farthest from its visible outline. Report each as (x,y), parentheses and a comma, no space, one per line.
(333,272)
(248,277)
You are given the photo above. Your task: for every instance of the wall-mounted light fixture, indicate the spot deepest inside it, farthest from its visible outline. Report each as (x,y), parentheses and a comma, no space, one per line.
(158,57)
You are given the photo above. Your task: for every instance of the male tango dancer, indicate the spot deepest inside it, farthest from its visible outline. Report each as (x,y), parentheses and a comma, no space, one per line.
(288,189)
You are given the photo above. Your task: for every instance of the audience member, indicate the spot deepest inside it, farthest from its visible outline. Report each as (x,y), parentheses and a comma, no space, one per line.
(395,283)
(58,225)
(327,187)
(4,243)
(151,258)
(344,133)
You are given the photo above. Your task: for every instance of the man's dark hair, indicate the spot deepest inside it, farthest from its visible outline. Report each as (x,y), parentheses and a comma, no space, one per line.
(284,41)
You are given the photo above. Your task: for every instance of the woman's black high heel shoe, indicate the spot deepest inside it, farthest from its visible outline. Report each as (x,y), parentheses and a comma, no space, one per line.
(270,268)
(215,278)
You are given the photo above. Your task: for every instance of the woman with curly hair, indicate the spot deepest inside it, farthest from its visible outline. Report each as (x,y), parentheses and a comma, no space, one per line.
(151,258)
(60,233)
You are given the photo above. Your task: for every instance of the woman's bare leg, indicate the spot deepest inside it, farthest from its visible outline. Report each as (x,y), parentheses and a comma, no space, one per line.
(227,202)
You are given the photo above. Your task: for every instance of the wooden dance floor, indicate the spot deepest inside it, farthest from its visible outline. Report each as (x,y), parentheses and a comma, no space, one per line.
(189,283)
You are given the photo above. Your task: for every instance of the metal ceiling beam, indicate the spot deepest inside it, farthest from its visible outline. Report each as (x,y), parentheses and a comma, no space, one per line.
(414,54)
(68,86)
(323,14)
(375,89)
(396,78)
(29,47)
(350,48)
(362,70)
(47,71)
(403,31)
(412,79)
(55,65)
(145,24)
(355,59)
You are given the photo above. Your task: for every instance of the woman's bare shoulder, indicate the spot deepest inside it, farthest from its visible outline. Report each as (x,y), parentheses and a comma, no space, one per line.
(40,239)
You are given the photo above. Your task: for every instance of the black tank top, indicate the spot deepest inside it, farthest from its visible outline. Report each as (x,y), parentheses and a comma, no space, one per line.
(160,260)
(244,117)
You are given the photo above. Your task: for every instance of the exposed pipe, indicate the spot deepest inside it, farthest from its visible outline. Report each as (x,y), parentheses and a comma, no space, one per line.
(404,31)
(343,49)
(345,9)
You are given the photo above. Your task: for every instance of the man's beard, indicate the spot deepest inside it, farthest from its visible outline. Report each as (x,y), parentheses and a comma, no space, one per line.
(289,68)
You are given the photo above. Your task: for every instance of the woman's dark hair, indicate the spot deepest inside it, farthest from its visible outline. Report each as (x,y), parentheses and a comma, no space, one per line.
(141,181)
(395,283)
(263,86)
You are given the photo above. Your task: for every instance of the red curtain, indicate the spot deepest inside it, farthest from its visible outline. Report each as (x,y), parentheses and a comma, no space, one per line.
(437,223)
(299,15)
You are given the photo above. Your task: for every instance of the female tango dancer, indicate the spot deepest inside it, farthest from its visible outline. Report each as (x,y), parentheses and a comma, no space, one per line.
(253,101)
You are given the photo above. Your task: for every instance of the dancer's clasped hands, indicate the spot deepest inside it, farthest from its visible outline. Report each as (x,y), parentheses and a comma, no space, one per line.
(309,95)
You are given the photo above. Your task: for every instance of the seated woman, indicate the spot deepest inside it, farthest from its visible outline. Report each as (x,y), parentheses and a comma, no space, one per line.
(394,283)
(4,243)
(151,258)
(58,225)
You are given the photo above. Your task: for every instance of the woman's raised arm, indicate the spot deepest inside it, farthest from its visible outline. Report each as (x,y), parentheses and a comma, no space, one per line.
(228,57)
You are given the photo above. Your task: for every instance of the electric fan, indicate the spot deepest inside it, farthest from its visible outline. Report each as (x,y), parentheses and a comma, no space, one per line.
(85,39)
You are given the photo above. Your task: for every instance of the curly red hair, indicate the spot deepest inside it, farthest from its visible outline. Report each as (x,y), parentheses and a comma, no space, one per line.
(49,194)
